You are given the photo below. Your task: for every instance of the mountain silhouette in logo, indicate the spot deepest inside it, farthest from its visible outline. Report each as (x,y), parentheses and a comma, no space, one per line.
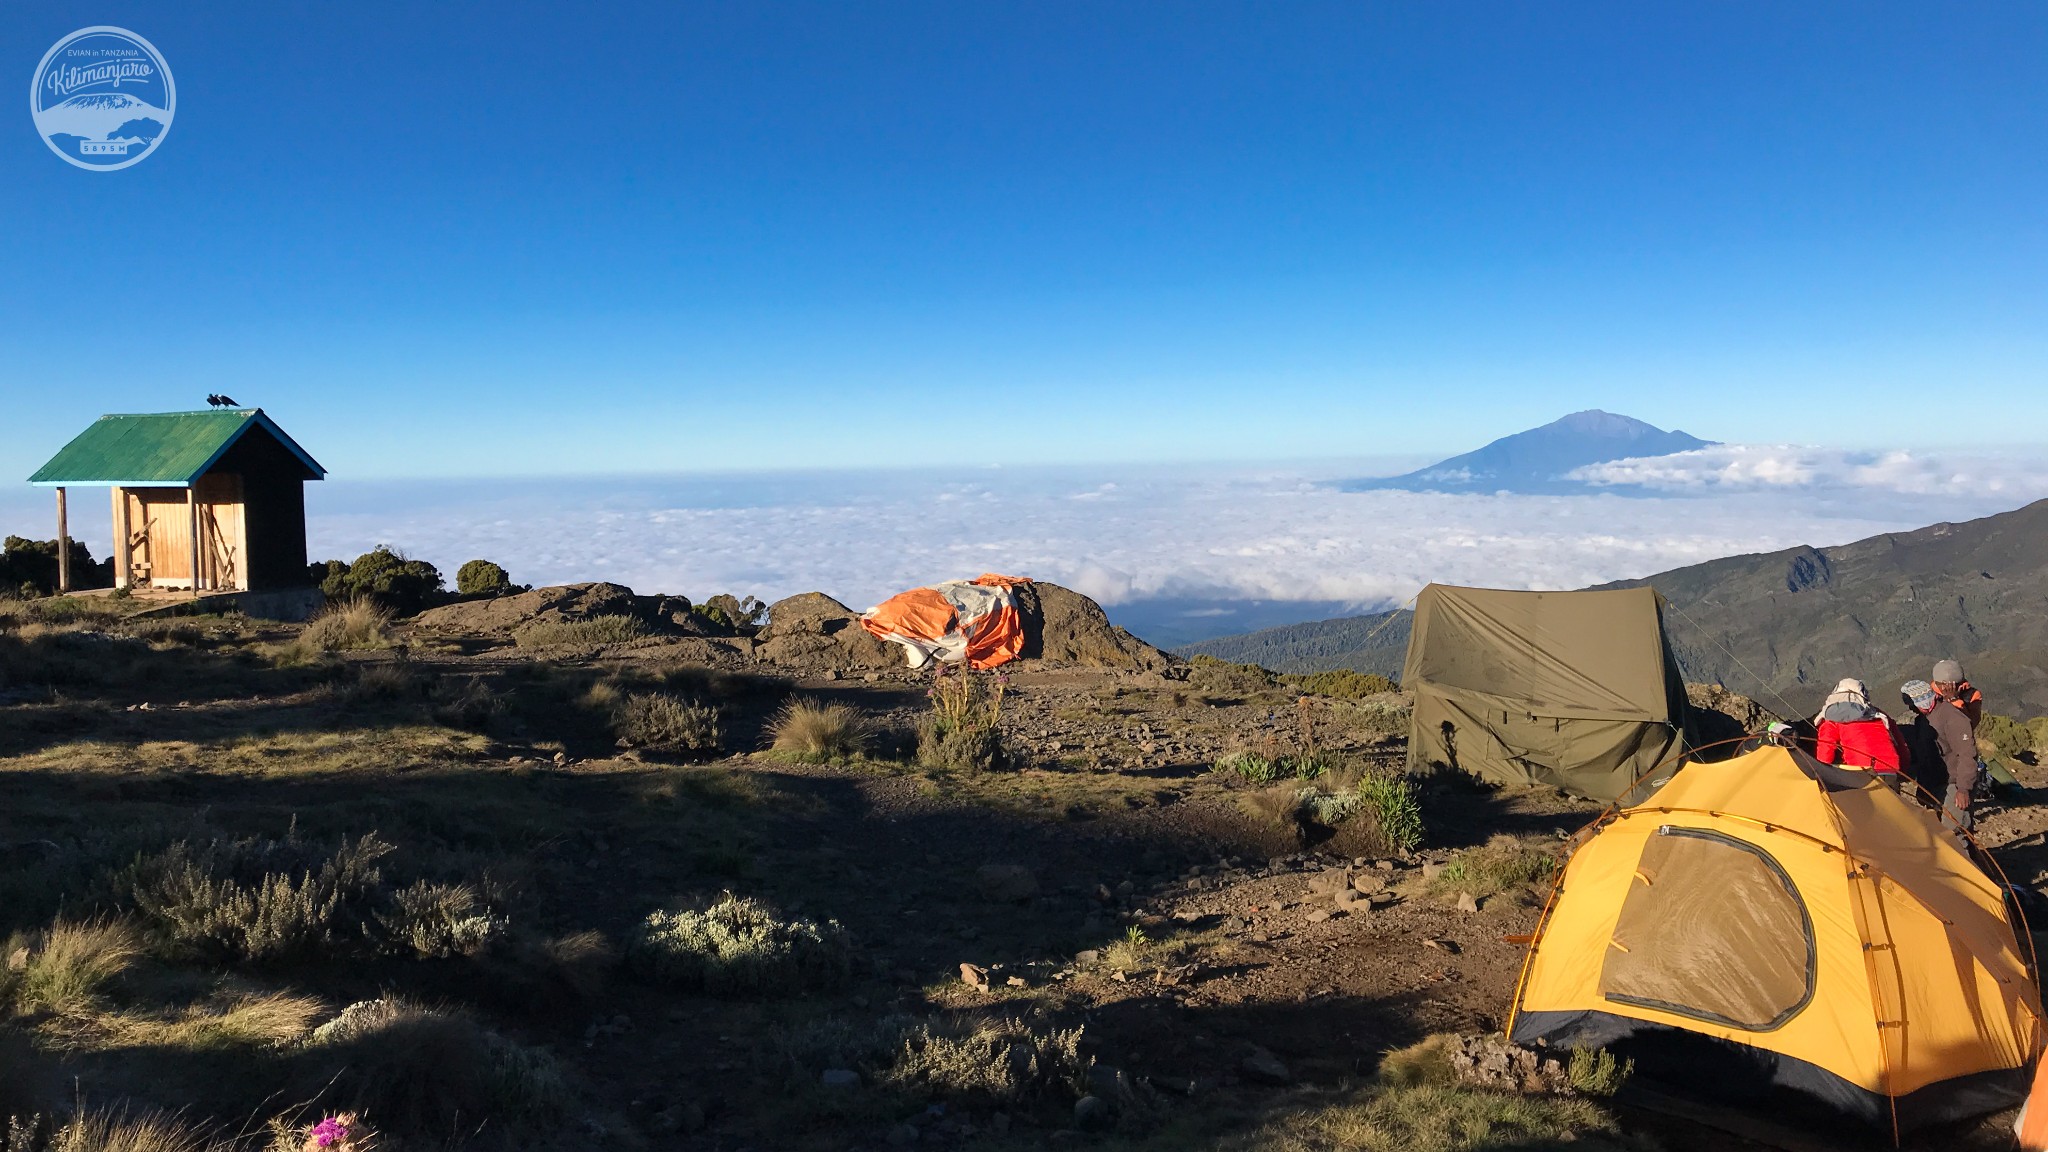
(1537,461)
(100,116)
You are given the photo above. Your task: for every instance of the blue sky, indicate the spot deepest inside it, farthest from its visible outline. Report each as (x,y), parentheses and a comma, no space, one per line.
(516,239)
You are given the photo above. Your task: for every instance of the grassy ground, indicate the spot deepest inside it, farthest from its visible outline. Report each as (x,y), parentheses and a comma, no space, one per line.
(556,895)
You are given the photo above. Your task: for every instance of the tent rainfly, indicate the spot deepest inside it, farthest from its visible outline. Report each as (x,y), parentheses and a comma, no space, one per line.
(1770,924)
(206,501)
(1577,690)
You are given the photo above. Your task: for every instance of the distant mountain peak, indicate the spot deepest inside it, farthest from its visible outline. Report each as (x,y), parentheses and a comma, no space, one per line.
(1540,459)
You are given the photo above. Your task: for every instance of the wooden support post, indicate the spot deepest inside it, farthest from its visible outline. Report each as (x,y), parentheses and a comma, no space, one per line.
(63,543)
(192,508)
(124,563)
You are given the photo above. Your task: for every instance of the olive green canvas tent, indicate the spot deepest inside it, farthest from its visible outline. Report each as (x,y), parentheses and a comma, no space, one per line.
(1577,690)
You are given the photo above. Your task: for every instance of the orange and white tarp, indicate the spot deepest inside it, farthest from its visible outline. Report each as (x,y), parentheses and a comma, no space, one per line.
(975,622)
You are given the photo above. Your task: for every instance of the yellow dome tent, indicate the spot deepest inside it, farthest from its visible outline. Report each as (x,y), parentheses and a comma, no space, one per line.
(1770,923)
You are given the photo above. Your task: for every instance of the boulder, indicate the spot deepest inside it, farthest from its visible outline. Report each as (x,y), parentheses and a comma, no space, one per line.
(1063,626)
(1006,883)
(812,629)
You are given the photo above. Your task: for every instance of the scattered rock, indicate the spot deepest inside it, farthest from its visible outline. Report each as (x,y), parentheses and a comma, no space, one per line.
(840,1078)
(1442,945)
(975,976)
(1091,1113)
(1262,1067)
(1466,903)
(1430,870)
(1368,883)
(1491,1062)
(1006,883)
(1320,915)
(1017,982)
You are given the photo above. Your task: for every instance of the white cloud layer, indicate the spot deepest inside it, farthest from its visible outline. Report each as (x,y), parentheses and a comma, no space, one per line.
(1125,534)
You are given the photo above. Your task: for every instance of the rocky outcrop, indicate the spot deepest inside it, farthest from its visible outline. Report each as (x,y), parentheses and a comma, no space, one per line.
(1062,626)
(812,629)
(504,615)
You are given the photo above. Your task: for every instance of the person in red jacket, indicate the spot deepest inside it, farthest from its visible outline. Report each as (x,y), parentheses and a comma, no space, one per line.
(1856,735)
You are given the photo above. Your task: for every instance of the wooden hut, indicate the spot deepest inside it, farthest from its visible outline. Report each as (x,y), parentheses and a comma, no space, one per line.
(203,501)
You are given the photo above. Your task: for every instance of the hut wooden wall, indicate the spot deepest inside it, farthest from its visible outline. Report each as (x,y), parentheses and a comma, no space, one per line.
(273,509)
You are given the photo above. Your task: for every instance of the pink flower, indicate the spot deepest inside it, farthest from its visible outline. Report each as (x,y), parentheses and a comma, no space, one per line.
(329,1132)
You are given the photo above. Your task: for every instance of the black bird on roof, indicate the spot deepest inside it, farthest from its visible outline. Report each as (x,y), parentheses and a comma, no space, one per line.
(218,401)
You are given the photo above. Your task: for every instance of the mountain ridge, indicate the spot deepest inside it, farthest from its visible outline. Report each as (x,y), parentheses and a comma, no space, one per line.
(1540,460)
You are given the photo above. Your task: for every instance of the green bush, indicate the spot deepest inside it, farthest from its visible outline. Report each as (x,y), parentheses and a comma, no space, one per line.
(1342,683)
(1249,766)
(259,900)
(1389,801)
(400,584)
(2004,735)
(740,946)
(1595,1071)
(483,578)
(731,613)
(29,567)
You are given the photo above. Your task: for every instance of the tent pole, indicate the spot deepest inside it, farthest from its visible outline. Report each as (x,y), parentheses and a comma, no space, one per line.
(192,514)
(63,542)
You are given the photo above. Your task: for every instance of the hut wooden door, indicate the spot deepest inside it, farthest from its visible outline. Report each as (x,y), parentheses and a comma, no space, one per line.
(160,525)
(223,544)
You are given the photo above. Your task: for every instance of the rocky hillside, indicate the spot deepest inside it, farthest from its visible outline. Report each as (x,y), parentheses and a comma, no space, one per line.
(1363,643)
(1882,609)
(1784,626)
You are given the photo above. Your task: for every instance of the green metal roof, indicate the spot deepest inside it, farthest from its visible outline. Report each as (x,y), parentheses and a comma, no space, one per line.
(159,449)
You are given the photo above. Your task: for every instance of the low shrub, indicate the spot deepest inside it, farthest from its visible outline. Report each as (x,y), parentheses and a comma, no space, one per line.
(2004,735)
(69,966)
(983,1060)
(1342,683)
(963,731)
(1387,819)
(814,733)
(740,946)
(423,1071)
(596,632)
(258,900)
(483,578)
(435,921)
(1595,1071)
(659,722)
(1502,864)
(998,1061)
(383,683)
(1249,767)
(466,702)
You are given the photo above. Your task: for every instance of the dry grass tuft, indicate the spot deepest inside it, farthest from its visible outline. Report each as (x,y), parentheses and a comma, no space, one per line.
(813,733)
(72,964)
(350,626)
(116,1131)
(244,1020)
(1433,1118)
(596,632)
(1427,1062)
(423,1071)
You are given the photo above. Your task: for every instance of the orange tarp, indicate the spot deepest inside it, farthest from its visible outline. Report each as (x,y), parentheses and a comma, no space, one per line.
(975,622)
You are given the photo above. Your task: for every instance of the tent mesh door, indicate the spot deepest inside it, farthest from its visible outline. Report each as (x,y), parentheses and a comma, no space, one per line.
(1712,929)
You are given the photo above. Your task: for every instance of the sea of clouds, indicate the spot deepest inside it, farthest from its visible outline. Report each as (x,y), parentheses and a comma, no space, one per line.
(1128,534)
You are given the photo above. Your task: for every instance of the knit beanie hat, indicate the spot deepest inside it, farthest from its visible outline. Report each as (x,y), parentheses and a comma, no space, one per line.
(1947,672)
(1919,694)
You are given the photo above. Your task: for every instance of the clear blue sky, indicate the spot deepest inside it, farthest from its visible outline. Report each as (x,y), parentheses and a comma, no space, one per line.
(515,239)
